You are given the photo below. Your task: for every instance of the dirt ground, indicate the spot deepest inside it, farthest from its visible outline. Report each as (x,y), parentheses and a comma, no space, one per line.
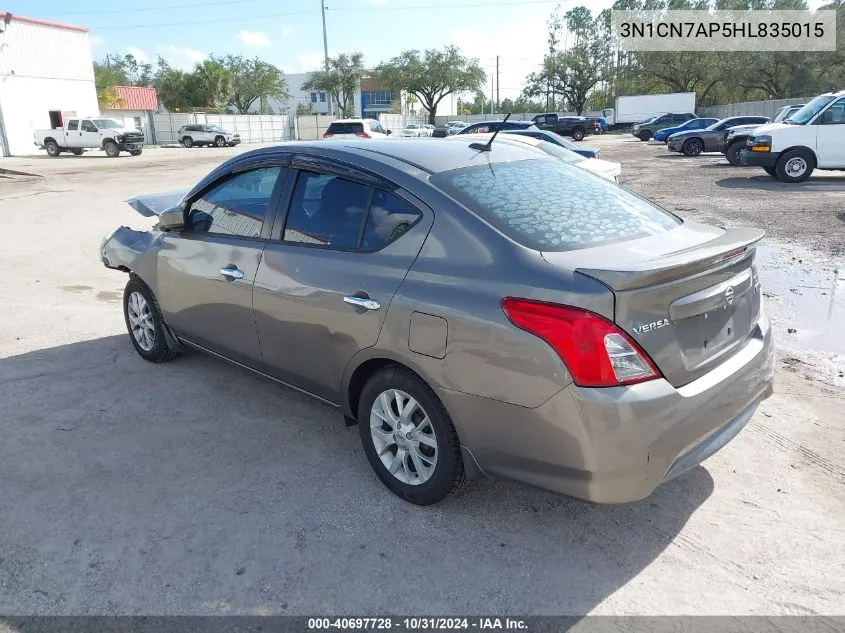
(195,487)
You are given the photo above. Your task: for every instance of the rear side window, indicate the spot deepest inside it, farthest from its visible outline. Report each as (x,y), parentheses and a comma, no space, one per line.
(236,207)
(548,205)
(345,128)
(73,125)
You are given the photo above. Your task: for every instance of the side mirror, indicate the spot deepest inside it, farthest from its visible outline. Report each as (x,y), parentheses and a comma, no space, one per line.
(172,219)
(388,132)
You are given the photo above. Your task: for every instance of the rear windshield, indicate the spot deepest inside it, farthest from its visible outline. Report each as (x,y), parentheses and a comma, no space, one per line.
(548,205)
(345,128)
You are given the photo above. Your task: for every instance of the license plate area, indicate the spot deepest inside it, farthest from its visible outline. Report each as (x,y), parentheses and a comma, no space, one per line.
(704,336)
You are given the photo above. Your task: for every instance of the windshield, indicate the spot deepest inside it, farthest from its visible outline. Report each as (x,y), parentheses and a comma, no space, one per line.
(107,124)
(810,110)
(548,205)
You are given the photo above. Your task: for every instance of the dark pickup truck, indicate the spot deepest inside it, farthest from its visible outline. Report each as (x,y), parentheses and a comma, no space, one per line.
(575,126)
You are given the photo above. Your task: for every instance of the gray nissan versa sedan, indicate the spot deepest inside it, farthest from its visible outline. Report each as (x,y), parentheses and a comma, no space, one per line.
(477,310)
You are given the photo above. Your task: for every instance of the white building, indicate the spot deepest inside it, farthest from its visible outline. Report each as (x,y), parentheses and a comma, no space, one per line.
(318,100)
(46,75)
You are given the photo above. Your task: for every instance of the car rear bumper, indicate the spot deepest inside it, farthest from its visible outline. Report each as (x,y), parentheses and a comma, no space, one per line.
(758,159)
(616,445)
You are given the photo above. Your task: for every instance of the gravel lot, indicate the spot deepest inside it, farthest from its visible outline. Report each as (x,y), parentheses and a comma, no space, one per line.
(195,487)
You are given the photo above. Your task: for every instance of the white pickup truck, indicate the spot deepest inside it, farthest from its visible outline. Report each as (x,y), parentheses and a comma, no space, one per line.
(812,138)
(79,134)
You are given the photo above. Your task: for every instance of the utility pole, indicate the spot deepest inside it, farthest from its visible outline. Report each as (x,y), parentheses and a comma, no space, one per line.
(497,83)
(492,103)
(326,50)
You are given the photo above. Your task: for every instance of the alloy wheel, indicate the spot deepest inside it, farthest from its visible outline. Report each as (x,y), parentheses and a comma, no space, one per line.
(403,437)
(141,321)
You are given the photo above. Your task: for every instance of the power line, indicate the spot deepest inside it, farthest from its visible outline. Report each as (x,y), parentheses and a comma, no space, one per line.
(139,9)
(444,6)
(182,23)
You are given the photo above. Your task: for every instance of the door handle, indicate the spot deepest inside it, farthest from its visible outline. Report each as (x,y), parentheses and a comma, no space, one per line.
(232,273)
(362,302)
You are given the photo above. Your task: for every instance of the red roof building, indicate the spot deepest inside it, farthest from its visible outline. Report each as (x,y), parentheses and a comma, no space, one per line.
(137,98)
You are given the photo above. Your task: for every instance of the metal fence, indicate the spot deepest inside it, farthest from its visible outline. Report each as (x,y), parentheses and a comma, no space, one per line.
(310,127)
(253,128)
(750,108)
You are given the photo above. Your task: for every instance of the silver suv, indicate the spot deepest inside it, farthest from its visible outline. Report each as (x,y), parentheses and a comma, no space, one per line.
(190,135)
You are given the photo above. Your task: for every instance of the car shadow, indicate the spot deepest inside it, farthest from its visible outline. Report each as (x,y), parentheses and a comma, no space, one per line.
(197,487)
(767,183)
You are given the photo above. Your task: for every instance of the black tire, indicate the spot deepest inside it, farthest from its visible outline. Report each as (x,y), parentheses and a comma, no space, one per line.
(578,134)
(732,153)
(788,165)
(771,171)
(136,152)
(52,148)
(219,141)
(159,351)
(644,135)
(112,150)
(187,141)
(692,147)
(448,475)
(76,151)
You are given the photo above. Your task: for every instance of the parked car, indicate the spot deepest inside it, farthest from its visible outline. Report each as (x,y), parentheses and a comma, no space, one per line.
(473,311)
(602,168)
(430,128)
(79,134)
(812,138)
(694,142)
(736,137)
(645,130)
(356,128)
(575,126)
(415,130)
(556,139)
(692,124)
(602,124)
(199,135)
(491,126)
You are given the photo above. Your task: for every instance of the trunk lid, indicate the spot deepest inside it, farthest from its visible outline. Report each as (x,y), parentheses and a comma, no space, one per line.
(690,297)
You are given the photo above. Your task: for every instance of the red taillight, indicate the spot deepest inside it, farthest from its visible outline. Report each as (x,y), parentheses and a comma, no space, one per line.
(595,351)
(328,134)
(362,134)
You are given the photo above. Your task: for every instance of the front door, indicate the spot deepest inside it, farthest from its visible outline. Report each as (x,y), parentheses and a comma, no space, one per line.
(206,272)
(324,286)
(830,136)
(89,134)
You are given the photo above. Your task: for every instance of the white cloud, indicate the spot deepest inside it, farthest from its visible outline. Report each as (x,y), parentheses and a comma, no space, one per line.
(181,57)
(96,41)
(254,38)
(309,61)
(287,31)
(138,54)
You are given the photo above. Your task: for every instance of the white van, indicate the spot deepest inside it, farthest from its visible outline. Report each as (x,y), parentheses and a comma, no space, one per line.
(812,138)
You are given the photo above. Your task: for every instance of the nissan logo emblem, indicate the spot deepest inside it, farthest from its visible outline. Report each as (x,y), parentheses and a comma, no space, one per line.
(729,295)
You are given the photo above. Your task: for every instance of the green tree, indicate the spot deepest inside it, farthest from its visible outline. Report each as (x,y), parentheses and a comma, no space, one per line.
(432,75)
(253,79)
(340,80)
(214,85)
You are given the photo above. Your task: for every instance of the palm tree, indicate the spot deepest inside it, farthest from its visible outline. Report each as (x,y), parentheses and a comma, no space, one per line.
(215,84)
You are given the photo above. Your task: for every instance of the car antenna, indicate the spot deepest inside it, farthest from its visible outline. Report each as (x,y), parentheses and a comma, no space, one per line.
(485,147)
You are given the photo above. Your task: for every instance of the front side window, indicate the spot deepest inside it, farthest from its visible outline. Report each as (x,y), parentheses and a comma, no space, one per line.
(236,207)
(107,124)
(805,114)
(87,126)
(834,115)
(548,205)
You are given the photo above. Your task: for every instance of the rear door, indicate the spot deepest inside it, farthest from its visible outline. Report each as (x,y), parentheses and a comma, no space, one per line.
(73,135)
(206,272)
(329,273)
(830,139)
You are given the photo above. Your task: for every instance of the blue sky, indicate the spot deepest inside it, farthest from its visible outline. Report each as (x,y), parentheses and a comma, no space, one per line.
(289,34)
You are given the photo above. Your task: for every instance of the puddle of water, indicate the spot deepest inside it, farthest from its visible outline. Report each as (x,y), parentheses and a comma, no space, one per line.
(804,294)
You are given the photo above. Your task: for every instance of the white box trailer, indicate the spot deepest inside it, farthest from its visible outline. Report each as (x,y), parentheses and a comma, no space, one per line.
(637,108)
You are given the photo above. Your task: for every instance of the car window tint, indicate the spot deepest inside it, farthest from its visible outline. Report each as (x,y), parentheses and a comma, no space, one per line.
(551,206)
(87,126)
(389,218)
(327,211)
(73,125)
(345,128)
(236,207)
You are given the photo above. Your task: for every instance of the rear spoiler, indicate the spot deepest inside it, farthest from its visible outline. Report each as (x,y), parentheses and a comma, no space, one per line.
(732,244)
(154,204)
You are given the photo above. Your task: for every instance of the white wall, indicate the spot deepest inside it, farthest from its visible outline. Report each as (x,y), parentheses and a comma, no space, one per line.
(298,95)
(42,68)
